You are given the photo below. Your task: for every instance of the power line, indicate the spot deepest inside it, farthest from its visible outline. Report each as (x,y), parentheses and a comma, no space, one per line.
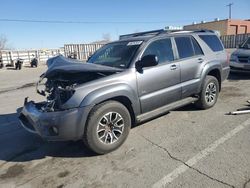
(90,22)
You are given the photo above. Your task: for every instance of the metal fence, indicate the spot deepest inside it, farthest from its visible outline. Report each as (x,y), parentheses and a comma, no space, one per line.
(82,51)
(9,56)
(232,41)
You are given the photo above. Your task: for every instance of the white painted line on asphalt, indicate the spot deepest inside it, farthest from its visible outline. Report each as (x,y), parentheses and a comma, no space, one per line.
(191,162)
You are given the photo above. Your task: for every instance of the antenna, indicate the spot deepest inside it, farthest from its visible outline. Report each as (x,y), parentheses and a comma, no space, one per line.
(230,9)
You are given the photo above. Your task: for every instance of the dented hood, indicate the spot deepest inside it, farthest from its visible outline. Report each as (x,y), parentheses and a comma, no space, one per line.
(60,65)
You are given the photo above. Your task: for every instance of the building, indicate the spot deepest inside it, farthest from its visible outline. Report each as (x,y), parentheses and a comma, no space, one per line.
(225,27)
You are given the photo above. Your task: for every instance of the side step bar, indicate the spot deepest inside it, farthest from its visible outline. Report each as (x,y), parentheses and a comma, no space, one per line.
(162,110)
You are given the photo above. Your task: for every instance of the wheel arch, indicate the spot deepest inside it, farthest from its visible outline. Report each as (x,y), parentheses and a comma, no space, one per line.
(212,69)
(217,74)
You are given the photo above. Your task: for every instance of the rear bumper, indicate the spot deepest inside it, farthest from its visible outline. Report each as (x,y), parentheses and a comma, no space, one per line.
(54,126)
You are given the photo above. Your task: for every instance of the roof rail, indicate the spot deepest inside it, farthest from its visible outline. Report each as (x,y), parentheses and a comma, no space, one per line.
(204,30)
(160,31)
(195,31)
(153,32)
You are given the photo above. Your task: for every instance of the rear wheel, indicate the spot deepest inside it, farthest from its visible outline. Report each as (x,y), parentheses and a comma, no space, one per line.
(209,93)
(107,127)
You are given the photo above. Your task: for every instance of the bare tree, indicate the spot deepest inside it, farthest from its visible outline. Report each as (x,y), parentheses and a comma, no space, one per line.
(3,42)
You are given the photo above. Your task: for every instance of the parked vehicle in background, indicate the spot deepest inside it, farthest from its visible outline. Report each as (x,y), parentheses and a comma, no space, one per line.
(34,62)
(72,55)
(126,82)
(240,59)
(1,60)
(19,64)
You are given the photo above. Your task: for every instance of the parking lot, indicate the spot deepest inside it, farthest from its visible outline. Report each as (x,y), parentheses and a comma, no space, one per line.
(184,148)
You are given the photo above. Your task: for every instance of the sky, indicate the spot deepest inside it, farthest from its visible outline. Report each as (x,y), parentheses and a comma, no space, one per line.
(98,17)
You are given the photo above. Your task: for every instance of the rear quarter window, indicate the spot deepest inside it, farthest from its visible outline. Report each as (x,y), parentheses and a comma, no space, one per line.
(213,42)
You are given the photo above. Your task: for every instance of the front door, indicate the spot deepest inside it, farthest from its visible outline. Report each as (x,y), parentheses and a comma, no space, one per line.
(159,85)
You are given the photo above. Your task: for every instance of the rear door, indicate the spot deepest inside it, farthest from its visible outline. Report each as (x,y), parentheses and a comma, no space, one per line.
(191,59)
(159,85)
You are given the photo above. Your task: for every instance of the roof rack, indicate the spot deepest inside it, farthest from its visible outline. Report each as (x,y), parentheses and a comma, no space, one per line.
(160,31)
(153,32)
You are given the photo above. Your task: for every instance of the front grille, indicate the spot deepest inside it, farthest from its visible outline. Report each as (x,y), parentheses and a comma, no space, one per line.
(244,59)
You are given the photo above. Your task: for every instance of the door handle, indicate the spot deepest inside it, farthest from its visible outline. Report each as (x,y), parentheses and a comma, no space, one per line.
(200,60)
(173,67)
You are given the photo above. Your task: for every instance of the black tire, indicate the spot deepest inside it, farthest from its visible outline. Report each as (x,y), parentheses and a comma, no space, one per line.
(92,138)
(208,97)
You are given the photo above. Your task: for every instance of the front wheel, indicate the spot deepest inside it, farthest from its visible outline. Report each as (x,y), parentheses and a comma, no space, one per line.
(107,127)
(209,93)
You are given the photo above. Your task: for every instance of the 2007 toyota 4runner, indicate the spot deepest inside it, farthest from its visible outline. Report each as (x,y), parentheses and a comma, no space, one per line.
(125,82)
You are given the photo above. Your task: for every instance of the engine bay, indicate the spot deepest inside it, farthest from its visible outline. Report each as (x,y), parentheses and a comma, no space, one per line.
(61,88)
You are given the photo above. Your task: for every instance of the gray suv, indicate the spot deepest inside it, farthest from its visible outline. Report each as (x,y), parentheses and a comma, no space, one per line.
(134,79)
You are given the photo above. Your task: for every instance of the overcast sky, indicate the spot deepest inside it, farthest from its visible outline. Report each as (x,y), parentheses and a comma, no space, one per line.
(98,17)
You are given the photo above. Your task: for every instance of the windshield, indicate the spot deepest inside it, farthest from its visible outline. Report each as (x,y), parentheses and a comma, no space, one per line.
(246,44)
(115,54)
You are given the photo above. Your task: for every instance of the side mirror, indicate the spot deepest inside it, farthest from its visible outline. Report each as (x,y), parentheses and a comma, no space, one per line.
(147,61)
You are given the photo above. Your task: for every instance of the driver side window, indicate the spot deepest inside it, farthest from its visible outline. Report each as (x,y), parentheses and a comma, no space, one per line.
(162,49)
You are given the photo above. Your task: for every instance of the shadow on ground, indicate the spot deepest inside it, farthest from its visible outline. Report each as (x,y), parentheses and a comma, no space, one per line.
(18,145)
(236,76)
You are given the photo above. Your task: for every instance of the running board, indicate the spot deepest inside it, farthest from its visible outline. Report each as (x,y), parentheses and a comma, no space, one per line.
(162,110)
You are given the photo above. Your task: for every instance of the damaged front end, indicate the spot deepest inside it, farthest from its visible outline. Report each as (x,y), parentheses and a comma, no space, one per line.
(63,76)
(57,93)
(60,89)
(53,119)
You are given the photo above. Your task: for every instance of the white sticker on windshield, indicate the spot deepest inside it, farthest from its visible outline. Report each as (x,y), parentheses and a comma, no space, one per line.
(134,43)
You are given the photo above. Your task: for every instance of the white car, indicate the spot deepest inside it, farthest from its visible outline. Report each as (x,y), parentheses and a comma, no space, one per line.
(240,59)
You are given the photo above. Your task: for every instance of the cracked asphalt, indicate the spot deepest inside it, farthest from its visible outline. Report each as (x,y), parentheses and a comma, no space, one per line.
(184,148)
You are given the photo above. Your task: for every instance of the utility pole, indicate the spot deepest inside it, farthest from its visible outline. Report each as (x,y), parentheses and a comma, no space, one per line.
(230,9)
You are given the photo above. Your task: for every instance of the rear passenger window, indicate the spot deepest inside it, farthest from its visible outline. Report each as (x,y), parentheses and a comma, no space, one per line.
(213,42)
(162,49)
(184,47)
(197,48)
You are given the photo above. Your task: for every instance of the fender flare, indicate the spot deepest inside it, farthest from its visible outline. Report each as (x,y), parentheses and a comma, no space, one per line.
(213,65)
(112,91)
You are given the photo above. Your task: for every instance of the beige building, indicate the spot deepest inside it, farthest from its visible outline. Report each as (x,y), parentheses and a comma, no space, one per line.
(225,27)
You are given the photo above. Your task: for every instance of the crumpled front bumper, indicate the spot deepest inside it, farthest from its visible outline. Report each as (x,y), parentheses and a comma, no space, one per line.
(54,126)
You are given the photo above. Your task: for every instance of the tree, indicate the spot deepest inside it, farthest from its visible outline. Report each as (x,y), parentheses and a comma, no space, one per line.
(3,42)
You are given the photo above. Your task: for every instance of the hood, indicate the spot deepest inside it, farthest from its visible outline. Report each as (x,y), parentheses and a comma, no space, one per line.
(60,65)
(242,52)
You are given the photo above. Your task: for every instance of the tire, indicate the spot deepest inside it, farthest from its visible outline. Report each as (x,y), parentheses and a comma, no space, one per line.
(209,93)
(103,137)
